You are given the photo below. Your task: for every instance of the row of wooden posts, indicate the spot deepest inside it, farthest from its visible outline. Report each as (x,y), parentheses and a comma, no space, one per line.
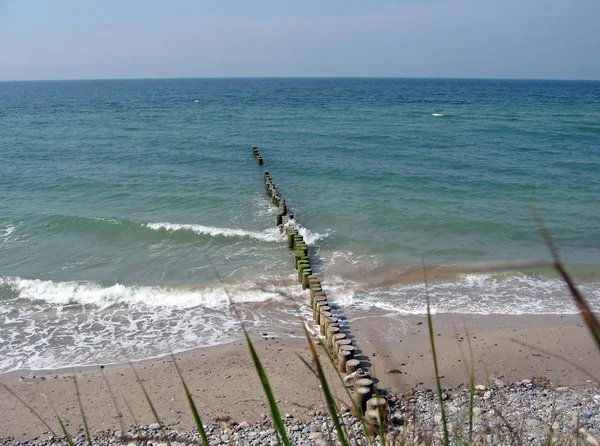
(334,331)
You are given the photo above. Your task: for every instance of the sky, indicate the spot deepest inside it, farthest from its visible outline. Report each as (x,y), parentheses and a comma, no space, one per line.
(93,39)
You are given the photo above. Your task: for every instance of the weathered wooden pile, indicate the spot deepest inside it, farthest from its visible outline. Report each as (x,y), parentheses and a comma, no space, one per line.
(333,327)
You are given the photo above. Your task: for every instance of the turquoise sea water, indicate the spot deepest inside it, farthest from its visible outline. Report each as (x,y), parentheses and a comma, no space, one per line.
(113,195)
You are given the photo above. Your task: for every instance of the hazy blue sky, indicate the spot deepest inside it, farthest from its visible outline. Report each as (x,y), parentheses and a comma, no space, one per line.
(83,39)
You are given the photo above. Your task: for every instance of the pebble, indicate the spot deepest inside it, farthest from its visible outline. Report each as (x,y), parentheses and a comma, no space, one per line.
(563,408)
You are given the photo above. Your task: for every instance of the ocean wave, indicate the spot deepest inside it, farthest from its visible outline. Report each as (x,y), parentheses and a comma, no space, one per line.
(115,226)
(92,293)
(268,235)
(508,294)
(49,324)
(310,237)
(437,114)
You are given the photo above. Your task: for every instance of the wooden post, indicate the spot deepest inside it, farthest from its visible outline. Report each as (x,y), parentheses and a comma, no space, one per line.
(317,313)
(329,321)
(352,365)
(376,402)
(343,357)
(343,348)
(315,290)
(341,343)
(324,314)
(280,215)
(302,264)
(291,238)
(313,281)
(305,275)
(362,396)
(335,338)
(364,382)
(331,332)
(372,417)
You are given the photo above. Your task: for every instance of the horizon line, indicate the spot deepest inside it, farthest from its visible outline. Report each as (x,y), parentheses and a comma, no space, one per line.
(300,77)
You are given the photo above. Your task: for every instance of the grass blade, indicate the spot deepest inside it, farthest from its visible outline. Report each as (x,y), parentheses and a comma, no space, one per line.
(191,403)
(435,364)
(114,400)
(582,305)
(275,415)
(471,385)
(60,421)
(355,408)
(9,390)
(83,417)
(325,386)
(135,421)
(152,408)
(380,419)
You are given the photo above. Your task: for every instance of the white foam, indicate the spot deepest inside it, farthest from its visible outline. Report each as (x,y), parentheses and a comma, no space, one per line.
(112,221)
(90,293)
(268,235)
(437,114)
(510,294)
(8,231)
(48,331)
(310,237)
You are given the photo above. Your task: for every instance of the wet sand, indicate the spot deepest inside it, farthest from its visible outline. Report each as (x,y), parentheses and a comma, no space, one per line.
(224,383)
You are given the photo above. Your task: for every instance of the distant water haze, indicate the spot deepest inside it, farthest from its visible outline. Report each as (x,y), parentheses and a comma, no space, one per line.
(114,195)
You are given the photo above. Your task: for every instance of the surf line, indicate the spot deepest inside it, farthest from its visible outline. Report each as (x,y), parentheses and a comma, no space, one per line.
(333,327)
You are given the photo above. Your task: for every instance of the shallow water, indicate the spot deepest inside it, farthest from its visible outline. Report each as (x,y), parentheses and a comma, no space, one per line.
(115,195)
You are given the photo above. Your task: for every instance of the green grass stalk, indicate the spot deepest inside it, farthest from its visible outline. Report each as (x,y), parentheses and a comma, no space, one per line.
(357,410)
(471,384)
(275,414)
(435,363)
(60,421)
(590,319)
(9,390)
(83,417)
(380,419)
(113,399)
(147,396)
(135,421)
(190,400)
(326,392)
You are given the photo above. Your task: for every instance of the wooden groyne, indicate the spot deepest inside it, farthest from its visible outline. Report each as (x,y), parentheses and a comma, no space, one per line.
(333,328)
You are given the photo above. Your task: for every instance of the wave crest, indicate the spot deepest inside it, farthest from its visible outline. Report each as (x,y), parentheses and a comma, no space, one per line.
(92,293)
(268,235)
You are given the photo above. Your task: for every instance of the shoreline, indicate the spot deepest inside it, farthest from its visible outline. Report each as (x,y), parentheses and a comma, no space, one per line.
(223,381)
(443,323)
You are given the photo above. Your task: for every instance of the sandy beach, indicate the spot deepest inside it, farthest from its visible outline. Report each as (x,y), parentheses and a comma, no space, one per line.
(224,384)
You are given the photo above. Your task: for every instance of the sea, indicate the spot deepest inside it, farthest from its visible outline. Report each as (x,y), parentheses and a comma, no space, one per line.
(132,212)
